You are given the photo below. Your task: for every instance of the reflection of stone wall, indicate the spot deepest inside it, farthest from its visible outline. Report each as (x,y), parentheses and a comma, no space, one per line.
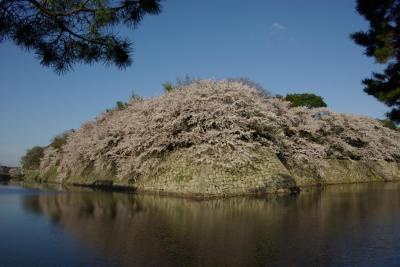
(291,230)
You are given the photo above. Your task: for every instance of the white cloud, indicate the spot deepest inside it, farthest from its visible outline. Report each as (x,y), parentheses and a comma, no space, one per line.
(278,27)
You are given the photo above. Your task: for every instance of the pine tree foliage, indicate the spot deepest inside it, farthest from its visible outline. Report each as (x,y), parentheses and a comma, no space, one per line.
(382,41)
(63,33)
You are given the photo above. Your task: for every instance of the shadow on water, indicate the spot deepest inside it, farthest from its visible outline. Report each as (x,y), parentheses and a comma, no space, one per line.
(333,226)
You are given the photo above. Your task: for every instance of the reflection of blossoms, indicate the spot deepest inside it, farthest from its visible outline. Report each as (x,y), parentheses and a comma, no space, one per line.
(207,117)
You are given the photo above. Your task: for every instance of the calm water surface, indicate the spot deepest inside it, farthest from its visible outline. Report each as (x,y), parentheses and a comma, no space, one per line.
(351,225)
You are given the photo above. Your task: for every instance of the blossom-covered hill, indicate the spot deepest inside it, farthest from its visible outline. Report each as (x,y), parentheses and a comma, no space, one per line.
(223,137)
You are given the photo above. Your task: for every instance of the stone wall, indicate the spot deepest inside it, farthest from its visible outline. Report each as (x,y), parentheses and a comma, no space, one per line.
(177,174)
(334,171)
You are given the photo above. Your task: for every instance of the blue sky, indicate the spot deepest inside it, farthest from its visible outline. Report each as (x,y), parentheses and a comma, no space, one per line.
(285,45)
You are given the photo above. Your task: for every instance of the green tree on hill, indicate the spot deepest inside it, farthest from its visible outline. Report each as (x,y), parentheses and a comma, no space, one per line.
(389,124)
(63,33)
(31,160)
(382,42)
(168,87)
(60,140)
(305,100)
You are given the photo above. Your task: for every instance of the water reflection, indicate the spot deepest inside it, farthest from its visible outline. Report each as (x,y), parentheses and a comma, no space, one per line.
(335,226)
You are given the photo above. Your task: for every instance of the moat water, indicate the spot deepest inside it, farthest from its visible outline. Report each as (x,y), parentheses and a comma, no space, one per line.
(347,225)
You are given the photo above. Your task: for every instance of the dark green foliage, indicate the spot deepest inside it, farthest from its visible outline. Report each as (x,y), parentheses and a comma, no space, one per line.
(120,105)
(168,87)
(31,160)
(180,83)
(305,100)
(382,41)
(60,140)
(63,33)
(389,124)
(135,97)
(185,81)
